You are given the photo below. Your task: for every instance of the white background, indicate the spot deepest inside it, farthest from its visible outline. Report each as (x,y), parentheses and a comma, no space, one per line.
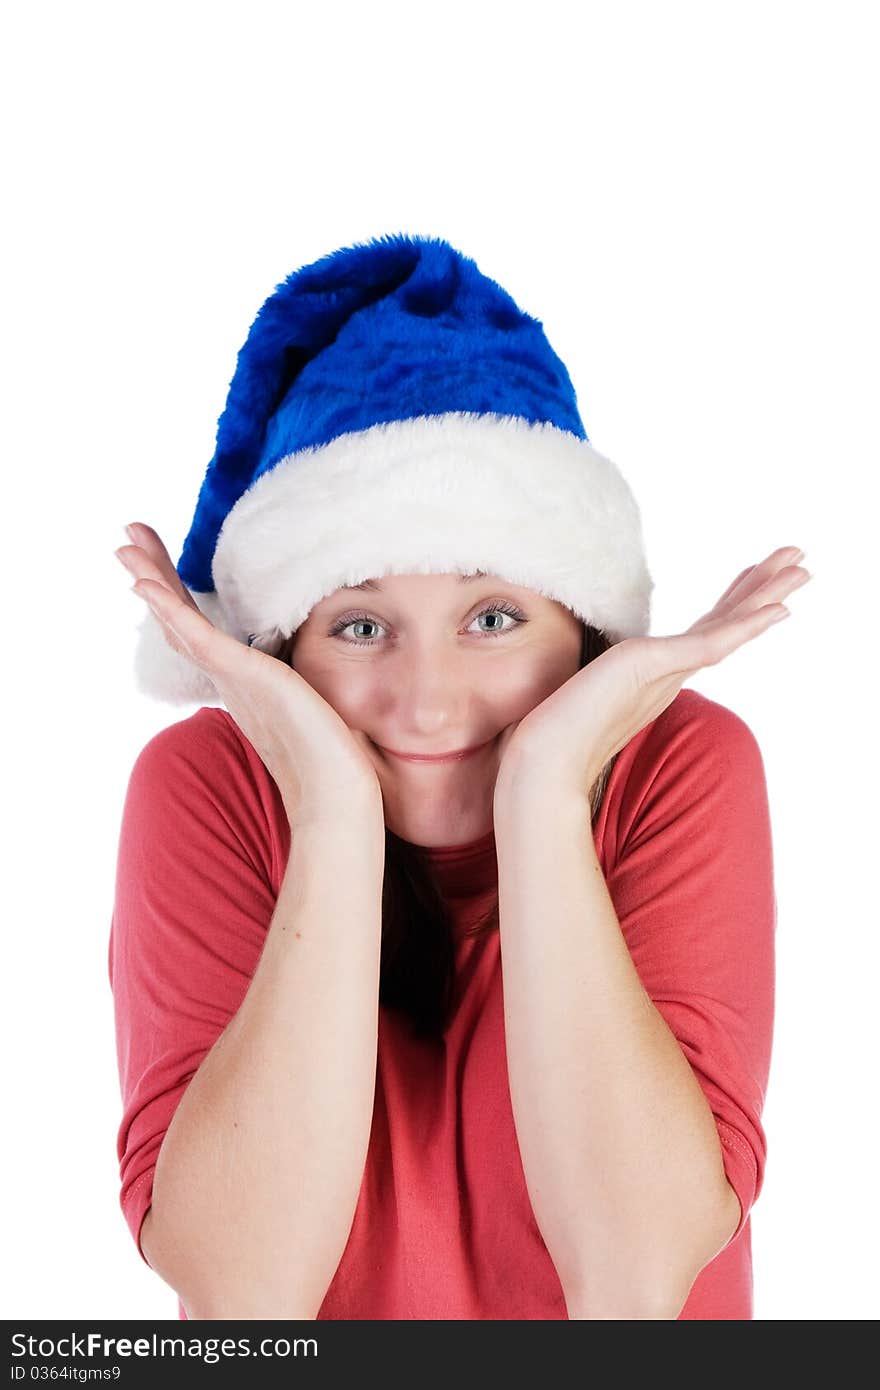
(686,195)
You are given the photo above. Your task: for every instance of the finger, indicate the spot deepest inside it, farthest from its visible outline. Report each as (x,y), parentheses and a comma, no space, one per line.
(163,606)
(189,632)
(186,623)
(139,563)
(724,634)
(715,637)
(148,548)
(780,559)
(753,579)
(739,578)
(770,590)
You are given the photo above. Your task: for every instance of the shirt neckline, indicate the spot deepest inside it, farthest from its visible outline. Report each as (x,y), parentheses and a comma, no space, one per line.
(464,870)
(472,849)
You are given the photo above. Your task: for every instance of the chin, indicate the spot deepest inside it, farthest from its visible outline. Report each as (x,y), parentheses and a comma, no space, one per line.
(450,822)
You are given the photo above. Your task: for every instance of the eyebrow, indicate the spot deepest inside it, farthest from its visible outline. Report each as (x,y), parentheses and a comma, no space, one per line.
(463,579)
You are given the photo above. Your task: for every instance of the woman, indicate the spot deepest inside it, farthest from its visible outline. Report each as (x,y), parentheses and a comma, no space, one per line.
(332,1110)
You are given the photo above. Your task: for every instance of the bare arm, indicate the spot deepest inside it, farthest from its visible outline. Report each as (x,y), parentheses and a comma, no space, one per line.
(620,1150)
(259,1173)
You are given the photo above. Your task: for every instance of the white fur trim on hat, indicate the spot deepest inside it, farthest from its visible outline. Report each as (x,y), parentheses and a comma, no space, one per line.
(530,503)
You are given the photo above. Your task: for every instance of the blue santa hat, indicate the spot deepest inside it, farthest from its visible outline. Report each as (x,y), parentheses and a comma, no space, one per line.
(393,411)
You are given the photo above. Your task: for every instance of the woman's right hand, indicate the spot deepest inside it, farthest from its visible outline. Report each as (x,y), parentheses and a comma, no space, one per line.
(318,763)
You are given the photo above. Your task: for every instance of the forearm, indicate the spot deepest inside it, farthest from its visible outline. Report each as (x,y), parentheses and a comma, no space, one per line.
(259,1173)
(619,1146)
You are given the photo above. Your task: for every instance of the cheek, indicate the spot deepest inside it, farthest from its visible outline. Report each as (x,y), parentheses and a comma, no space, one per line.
(349,689)
(512,692)
(545,676)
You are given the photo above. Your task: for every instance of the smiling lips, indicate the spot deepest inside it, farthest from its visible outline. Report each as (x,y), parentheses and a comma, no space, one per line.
(437,757)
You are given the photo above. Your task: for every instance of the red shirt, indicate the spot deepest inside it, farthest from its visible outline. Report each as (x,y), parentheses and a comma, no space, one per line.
(444,1227)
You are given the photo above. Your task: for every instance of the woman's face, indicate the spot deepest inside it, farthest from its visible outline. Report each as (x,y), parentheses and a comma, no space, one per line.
(436,663)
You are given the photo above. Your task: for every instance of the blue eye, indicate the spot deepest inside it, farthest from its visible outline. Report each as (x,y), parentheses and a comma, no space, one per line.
(499,606)
(358,641)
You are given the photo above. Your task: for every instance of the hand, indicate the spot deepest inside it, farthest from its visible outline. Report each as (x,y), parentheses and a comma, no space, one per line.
(317,762)
(568,738)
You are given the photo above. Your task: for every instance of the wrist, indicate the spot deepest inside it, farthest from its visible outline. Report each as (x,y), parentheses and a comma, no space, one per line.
(357,804)
(529,783)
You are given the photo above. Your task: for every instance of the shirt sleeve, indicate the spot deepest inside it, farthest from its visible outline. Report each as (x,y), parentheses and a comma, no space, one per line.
(193,902)
(694,893)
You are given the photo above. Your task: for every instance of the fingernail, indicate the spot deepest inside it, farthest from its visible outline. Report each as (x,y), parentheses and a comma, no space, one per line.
(786,613)
(129,532)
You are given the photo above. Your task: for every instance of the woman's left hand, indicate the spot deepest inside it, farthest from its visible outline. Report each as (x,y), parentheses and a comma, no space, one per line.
(567,739)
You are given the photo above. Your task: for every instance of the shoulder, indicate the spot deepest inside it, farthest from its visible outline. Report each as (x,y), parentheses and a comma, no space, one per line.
(204,754)
(207,740)
(698,761)
(691,729)
(200,782)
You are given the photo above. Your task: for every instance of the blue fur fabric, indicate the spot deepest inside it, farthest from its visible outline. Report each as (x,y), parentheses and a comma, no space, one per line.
(394,328)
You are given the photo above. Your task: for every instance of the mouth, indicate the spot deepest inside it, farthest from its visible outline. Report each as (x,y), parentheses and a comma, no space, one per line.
(455,757)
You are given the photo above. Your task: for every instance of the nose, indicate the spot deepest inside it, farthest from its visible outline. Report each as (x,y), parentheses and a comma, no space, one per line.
(430,703)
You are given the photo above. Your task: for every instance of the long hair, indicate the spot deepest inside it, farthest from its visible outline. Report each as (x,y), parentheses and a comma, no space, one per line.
(417,966)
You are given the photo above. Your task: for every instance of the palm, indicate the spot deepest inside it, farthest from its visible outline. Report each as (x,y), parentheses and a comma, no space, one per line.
(571,734)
